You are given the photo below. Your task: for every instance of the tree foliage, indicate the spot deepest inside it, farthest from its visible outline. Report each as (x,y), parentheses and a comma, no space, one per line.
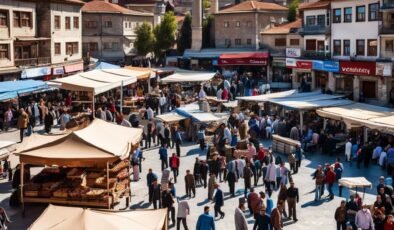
(185,35)
(206,4)
(206,32)
(165,34)
(292,15)
(145,39)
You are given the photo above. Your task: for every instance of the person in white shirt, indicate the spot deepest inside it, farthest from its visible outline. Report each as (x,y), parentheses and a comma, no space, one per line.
(163,102)
(348,149)
(364,219)
(183,211)
(150,113)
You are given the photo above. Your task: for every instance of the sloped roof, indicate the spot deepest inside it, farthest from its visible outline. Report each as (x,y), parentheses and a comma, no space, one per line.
(253,6)
(100,6)
(284,28)
(314,5)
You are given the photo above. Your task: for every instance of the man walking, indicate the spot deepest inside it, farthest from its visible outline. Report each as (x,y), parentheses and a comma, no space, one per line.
(240,220)
(276,217)
(231,179)
(23,121)
(340,216)
(319,181)
(247,177)
(174,164)
(190,184)
(168,202)
(219,202)
(163,156)
(156,197)
(330,179)
(298,155)
(211,185)
(364,219)
(205,221)
(204,173)
(178,141)
(292,198)
(183,211)
(150,177)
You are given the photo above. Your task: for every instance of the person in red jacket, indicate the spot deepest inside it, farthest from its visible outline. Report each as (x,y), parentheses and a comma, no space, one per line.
(225,94)
(174,164)
(330,179)
(261,153)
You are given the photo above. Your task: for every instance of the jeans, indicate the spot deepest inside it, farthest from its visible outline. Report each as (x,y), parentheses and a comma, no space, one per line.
(178,148)
(341,225)
(178,226)
(172,211)
(175,171)
(329,187)
(318,192)
(164,164)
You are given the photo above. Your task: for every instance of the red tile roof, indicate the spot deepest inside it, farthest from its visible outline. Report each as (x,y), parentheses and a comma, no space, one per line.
(253,6)
(314,5)
(101,6)
(138,2)
(284,28)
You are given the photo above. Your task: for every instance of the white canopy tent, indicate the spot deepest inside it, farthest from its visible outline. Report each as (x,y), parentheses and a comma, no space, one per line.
(267,97)
(191,76)
(311,104)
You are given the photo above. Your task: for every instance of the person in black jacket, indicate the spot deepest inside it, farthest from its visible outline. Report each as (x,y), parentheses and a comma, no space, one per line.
(231,178)
(156,194)
(204,173)
(167,134)
(197,171)
(168,202)
(48,121)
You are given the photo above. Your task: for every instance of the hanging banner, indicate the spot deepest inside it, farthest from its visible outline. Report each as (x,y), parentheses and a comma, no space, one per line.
(360,68)
(328,66)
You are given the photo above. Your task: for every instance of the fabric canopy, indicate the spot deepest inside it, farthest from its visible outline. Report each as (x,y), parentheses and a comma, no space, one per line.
(191,76)
(11,89)
(311,105)
(60,218)
(205,117)
(105,65)
(6,147)
(148,72)
(170,117)
(91,146)
(355,182)
(99,80)
(267,97)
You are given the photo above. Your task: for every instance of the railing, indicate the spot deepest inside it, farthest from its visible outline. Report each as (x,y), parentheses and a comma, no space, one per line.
(317,29)
(387,4)
(386,29)
(318,54)
(33,61)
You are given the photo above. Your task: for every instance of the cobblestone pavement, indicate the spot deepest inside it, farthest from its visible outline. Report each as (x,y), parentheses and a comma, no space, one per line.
(312,215)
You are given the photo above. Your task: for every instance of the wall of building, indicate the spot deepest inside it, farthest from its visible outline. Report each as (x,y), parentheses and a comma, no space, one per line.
(386,49)
(107,54)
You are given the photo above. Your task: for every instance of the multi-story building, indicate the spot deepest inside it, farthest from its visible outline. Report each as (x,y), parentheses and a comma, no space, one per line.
(25,45)
(280,41)
(239,26)
(109,31)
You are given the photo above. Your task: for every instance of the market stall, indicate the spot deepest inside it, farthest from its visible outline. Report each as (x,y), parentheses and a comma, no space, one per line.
(85,167)
(284,145)
(6,148)
(60,218)
(12,89)
(354,183)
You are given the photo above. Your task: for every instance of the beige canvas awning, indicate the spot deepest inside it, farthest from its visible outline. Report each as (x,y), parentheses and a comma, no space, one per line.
(170,117)
(267,97)
(355,182)
(102,76)
(61,218)
(192,76)
(95,145)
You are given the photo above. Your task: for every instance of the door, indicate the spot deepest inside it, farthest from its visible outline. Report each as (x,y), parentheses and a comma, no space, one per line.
(369,89)
(320,45)
(310,45)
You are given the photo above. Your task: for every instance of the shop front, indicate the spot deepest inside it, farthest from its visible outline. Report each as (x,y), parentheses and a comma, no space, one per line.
(281,75)
(74,68)
(301,74)
(37,73)
(385,71)
(323,74)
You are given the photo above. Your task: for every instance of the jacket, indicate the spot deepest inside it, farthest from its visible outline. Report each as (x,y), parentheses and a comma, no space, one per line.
(150,177)
(330,177)
(340,214)
(248,176)
(163,153)
(276,219)
(319,177)
(189,181)
(176,161)
(205,222)
(23,120)
(240,220)
(219,198)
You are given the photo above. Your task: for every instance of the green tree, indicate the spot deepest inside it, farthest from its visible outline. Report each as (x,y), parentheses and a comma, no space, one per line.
(206,32)
(165,34)
(145,39)
(185,35)
(292,15)
(206,4)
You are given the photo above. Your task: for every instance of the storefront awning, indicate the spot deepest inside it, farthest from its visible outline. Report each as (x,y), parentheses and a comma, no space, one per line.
(190,76)
(11,89)
(250,59)
(311,105)
(267,97)
(170,117)
(36,72)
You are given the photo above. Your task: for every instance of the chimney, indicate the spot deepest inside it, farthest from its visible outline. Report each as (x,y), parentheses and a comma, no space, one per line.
(197,25)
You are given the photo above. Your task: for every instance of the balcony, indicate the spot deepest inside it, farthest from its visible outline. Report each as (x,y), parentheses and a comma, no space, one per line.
(316,54)
(386,29)
(314,30)
(387,5)
(33,61)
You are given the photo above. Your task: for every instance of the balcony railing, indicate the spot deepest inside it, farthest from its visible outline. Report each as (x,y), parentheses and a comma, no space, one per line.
(317,29)
(387,4)
(317,54)
(33,61)
(386,29)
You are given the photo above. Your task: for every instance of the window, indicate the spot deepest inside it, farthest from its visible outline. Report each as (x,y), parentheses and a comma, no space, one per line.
(360,47)
(93,46)
(108,24)
(249,24)
(347,14)
(310,45)
(360,16)
(249,41)
(72,48)
(346,47)
(389,45)
(115,46)
(3,18)
(68,23)
(321,20)
(57,49)
(373,12)
(238,24)
(107,45)
(336,16)
(294,42)
(310,20)
(4,51)
(280,42)
(337,48)
(226,24)
(22,19)
(91,24)
(372,47)
(57,22)
(237,41)
(76,22)
(227,42)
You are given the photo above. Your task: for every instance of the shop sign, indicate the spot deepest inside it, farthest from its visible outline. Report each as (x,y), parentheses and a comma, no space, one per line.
(359,68)
(293,52)
(303,64)
(291,62)
(58,70)
(384,69)
(256,59)
(36,72)
(328,66)
(73,68)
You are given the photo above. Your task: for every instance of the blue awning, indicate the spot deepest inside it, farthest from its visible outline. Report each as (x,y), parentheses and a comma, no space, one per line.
(36,72)
(11,89)
(105,65)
